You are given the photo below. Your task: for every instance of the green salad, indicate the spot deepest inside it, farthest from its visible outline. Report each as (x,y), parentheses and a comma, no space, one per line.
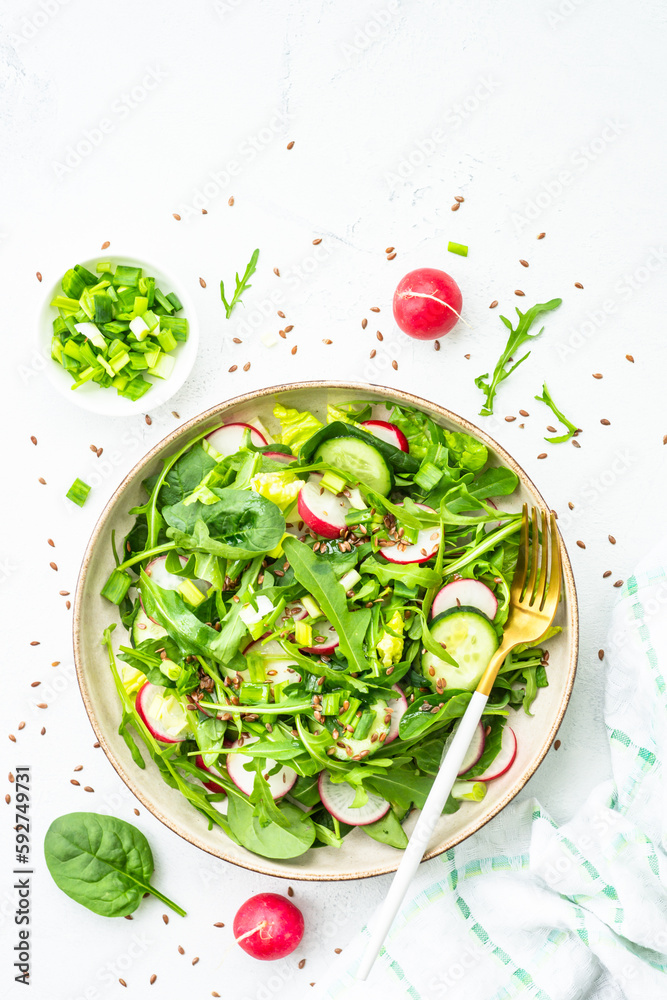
(308,611)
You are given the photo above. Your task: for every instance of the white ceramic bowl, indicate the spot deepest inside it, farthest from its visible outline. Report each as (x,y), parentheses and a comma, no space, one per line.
(107,401)
(360,856)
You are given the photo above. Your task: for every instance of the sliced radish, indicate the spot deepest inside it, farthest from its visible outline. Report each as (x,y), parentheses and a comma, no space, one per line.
(227,440)
(337,799)
(163,712)
(278,665)
(387,432)
(323,511)
(280,456)
(160,575)
(475,750)
(211,785)
(279,783)
(505,758)
(294,612)
(465,594)
(250,615)
(421,551)
(325,631)
(399,707)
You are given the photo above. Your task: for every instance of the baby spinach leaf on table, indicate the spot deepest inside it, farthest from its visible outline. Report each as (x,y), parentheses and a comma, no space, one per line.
(243,521)
(270,841)
(101,862)
(317,578)
(516,338)
(387,830)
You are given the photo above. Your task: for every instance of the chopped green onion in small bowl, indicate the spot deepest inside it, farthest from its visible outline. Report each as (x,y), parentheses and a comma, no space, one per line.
(122,335)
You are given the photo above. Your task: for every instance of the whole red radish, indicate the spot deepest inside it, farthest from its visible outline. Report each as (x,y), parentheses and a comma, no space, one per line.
(427,303)
(268,926)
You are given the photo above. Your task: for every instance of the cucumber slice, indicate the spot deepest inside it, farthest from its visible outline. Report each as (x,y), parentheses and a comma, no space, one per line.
(144,627)
(470,638)
(362,461)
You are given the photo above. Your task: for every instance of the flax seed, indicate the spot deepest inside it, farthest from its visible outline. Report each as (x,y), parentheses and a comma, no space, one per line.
(510,419)
(628,357)
(390,256)
(204,211)
(181,950)
(12,738)
(364,323)
(176,216)
(606,573)
(54,566)
(557,745)
(233,368)
(375,309)
(619,583)
(570,505)
(518,291)
(597,375)
(302,963)
(21,725)
(42,481)
(524,263)
(42,731)
(456,206)
(317,241)
(327,342)
(493,304)
(605,422)
(542,454)
(294,349)
(33,439)
(73,781)
(524,413)
(195,960)
(246,366)
(230,201)
(578,284)
(87,788)
(122,981)
(236,340)
(575,444)
(290,145)
(612,539)
(276,272)
(281,314)
(394,365)
(152,979)
(378,336)
(600,654)
(165,918)
(389,249)
(219,924)
(373,353)
(581,545)
(202,283)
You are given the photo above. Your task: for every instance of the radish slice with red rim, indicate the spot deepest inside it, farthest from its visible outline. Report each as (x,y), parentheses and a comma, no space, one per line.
(465,593)
(279,456)
(323,511)
(163,712)
(227,440)
(337,799)
(505,758)
(278,665)
(279,783)
(389,433)
(211,785)
(426,546)
(398,706)
(474,751)
(293,612)
(322,630)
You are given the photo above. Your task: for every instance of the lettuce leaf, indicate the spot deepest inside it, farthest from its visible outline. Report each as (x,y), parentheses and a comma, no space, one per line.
(296,427)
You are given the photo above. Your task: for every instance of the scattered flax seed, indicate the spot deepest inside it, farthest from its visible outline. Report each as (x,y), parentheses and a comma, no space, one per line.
(456,206)
(518,291)
(181,950)
(542,454)
(122,981)
(281,333)
(230,202)
(35,683)
(302,963)
(93,447)
(79,767)
(578,284)
(219,924)
(364,323)
(204,211)
(8,799)
(619,583)
(21,725)
(73,781)
(390,256)
(575,444)
(149,420)
(54,566)
(42,731)
(49,541)
(175,414)
(581,545)
(373,353)
(389,249)
(612,539)
(99,452)
(524,263)
(551,429)
(378,336)
(597,375)
(42,481)
(165,918)
(10,778)
(176,216)
(202,283)
(38,275)
(276,271)
(327,342)
(214,994)
(290,145)
(600,654)
(136,812)
(246,366)
(87,788)
(493,304)
(288,329)
(394,365)
(510,419)
(317,241)
(524,413)
(152,979)
(105,245)
(375,309)
(570,505)
(436,345)
(557,745)
(459,198)
(33,439)
(237,340)
(56,663)
(605,422)
(12,738)
(35,642)
(628,357)
(195,960)
(337,951)
(467,357)
(606,573)
(290,891)
(293,351)
(281,314)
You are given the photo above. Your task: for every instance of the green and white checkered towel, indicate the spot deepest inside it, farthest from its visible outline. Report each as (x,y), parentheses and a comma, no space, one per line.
(527,908)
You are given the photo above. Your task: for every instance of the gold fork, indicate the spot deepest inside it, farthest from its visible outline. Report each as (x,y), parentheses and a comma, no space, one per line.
(534,597)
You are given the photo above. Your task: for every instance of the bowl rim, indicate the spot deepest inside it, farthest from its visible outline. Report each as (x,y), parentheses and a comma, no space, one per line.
(110,404)
(199,420)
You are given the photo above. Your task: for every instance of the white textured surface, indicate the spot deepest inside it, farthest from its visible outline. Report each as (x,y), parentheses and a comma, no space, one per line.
(545,116)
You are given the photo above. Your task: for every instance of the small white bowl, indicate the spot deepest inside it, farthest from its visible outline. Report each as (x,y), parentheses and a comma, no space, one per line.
(107,401)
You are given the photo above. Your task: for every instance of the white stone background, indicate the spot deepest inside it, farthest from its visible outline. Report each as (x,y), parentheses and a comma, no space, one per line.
(547,116)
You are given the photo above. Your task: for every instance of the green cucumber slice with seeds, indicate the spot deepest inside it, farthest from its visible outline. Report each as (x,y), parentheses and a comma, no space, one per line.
(360,460)
(470,639)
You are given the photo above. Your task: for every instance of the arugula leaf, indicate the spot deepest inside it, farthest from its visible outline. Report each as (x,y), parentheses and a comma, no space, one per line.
(101,862)
(401,786)
(571,428)
(516,338)
(411,574)
(171,611)
(317,577)
(492,745)
(241,284)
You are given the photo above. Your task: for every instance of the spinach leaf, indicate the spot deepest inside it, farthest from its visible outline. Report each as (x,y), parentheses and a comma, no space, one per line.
(101,862)
(417,720)
(492,746)
(184,477)
(388,830)
(317,578)
(271,841)
(244,522)
(401,786)
(307,790)
(494,482)
(516,338)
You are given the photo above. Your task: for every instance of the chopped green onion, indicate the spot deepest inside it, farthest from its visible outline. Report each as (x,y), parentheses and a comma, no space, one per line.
(469,791)
(311,606)
(459,248)
(330,703)
(117,586)
(333,482)
(350,580)
(428,476)
(363,726)
(78,492)
(191,592)
(303,633)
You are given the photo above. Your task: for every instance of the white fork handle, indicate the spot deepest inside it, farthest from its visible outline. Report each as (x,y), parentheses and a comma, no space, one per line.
(429,816)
